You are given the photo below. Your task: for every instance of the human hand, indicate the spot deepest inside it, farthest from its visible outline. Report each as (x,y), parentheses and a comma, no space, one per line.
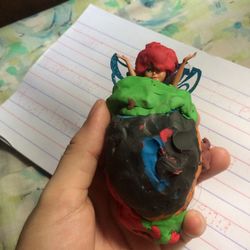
(124,58)
(188,57)
(75,209)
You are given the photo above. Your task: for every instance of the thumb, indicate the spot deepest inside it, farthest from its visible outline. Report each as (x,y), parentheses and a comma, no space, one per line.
(78,164)
(193,226)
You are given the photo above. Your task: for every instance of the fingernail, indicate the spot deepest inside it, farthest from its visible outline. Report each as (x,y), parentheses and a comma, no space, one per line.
(187,237)
(95,107)
(194,225)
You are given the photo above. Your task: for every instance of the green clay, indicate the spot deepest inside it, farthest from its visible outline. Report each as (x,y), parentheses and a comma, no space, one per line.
(149,97)
(167,226)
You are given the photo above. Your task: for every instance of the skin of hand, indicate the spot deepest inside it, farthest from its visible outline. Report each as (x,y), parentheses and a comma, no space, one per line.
(75,208)
(188,57)
(181,68)
(129,65)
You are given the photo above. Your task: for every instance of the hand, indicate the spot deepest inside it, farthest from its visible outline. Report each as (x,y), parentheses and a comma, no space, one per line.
(124,58)
(75,209)
(188,57)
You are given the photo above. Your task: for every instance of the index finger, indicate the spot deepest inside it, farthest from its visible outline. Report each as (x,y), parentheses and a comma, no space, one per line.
(77,166)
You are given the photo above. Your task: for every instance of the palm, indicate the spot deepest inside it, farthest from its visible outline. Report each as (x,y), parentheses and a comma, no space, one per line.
(188,57)
(94,218)
(75,212)
(109,235)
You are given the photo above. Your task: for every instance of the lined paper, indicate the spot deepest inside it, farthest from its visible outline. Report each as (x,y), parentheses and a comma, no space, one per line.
(54,99)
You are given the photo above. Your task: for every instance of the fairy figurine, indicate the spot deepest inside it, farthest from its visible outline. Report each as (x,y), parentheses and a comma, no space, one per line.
(153,152)
(157,62)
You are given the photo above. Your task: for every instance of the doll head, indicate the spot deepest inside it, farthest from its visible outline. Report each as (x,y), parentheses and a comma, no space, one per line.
(156,61)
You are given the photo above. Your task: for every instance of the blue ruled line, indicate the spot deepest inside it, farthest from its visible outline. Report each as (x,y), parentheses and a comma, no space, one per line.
(229,87)
(110,36)
(225,137)
(235,242)
(83,44)
(17,104)
(243,178)
(43,150)
(54,99)
(239,209)
(82,65)
(216,105)
(71,82)
(137,49)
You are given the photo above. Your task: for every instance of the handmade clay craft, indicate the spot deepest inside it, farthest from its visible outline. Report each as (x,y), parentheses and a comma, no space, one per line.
(152,151)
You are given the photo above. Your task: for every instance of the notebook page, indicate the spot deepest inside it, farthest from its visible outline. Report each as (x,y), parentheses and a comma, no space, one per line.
(54,99)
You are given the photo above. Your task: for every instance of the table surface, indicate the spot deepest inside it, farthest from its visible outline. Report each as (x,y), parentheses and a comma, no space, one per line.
(219,27)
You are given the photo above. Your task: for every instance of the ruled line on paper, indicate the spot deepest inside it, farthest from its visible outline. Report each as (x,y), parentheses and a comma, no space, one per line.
(33,128)
(229,139)
(221,215)
(106,44)
(51,97)
(84,55)
(211,192)
(193,94)
(229,87)
(108,35)
(198,96)
(46,110)
(219,223)
(65,71)
(229,238)
(205,100)
(43,110)
(233,156)
(227,202)
(242,178)
(224,96)
(238,159)
(83,77)
(60,88)
(27,139)
(38,117)
(87,46)
(229,186)
(223,121)
(209,243)
(82,65)
(138,49)
(218,106)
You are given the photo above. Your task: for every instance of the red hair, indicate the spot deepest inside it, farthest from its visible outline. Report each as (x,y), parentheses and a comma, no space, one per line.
(156,56)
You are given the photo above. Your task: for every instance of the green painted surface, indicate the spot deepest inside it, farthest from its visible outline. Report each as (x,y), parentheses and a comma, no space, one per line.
(167,226)
(149,97)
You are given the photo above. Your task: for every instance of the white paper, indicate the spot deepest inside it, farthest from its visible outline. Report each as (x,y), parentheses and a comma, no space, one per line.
(54,99)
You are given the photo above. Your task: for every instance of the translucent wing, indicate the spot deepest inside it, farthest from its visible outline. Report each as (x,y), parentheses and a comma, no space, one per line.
(190,79)
(114,65)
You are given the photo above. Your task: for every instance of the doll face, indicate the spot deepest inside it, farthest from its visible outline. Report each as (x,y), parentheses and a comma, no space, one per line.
(156,74)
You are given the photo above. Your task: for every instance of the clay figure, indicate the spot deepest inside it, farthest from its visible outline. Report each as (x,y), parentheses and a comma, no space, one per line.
(158,62)
(153,151)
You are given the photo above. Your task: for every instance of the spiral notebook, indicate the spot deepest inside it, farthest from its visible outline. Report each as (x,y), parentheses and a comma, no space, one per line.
(55,96)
